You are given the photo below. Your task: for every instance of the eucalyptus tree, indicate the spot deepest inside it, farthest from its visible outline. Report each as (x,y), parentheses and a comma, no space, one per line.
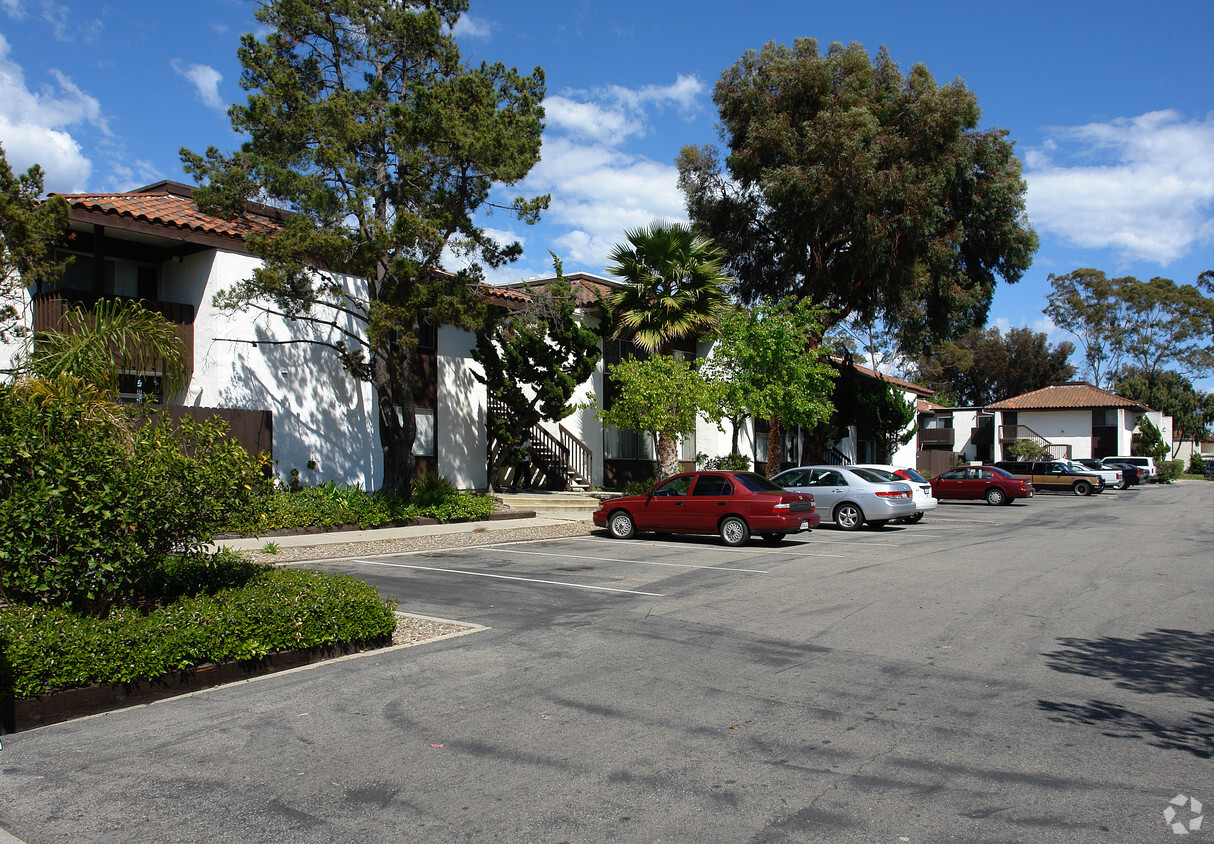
(869,192)
(365,123)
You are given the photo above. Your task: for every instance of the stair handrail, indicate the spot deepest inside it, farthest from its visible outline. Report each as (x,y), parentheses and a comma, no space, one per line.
(578,455)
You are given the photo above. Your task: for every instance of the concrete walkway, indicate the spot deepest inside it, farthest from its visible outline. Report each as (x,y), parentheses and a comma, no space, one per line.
(343,537)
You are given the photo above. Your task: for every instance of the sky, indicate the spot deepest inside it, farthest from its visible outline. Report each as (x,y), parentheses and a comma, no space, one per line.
(1111,107)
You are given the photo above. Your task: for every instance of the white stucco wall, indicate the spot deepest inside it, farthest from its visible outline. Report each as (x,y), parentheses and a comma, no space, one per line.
(320,412)
(460,433)
(21,302)
(1062,427)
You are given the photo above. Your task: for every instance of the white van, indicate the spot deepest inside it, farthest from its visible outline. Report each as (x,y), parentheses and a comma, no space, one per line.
(1147,463)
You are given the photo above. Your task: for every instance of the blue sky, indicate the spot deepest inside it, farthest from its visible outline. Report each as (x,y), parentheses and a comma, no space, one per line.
(1110,105)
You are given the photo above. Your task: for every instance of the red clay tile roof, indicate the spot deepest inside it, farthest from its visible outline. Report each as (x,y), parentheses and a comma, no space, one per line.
(1073,396)
(169,209)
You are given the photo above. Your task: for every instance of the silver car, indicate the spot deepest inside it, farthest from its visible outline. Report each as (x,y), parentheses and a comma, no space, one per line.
(851,496)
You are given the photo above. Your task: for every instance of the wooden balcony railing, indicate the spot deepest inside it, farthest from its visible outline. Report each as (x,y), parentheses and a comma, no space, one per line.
(936,438)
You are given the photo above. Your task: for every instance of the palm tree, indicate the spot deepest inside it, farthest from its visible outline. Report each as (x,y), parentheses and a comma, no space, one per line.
(677,288)
(99,344)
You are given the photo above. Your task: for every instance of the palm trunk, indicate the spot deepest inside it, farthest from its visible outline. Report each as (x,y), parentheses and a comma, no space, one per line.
(775,448)
(668,456)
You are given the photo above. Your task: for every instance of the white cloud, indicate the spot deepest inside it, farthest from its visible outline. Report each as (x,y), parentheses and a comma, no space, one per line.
(1142,186)
(65,24)
(471,27)
(34,126)
(205,80)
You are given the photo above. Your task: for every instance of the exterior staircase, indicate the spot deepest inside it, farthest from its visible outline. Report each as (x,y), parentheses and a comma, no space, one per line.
(559,462)
(1009,434)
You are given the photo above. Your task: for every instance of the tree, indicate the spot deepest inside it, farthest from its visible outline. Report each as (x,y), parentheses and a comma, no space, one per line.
(1150,326)
(1085,303)
(1173,395)
(1167,325)
(675,289)
(986,366)
(534,360)
(875,403)
(363,121)
(766,366)
(112,337)
(661,395)
(867,192)
(1147,441)
(28,229)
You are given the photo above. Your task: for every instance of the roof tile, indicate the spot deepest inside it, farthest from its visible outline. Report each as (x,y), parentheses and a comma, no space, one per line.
(1072,396)
(168,209)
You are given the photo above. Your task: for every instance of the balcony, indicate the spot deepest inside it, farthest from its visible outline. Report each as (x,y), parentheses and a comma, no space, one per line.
(936,438)
(51,305)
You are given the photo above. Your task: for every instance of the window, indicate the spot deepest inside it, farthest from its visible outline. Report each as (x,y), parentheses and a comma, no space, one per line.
(1104,418)
(626,445)
(827,477)
(674,487)
(423,443)
(713,486)
(119,277)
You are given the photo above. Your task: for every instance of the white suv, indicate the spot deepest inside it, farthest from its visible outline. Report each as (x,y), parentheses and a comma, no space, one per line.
(1147,463)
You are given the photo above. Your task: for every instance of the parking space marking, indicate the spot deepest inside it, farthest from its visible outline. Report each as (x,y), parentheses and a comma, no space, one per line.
(668,545)
(636,562)
(508,577)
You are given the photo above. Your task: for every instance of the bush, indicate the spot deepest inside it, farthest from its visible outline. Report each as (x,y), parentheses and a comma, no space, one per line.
(728,463)
(1197,466)
(47,649)
(92,503)
(1170,470)
(331,505)
(1027,450)
(638,487)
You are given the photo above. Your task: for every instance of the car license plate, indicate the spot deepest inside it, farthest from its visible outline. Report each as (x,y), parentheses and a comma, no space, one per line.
(804,525)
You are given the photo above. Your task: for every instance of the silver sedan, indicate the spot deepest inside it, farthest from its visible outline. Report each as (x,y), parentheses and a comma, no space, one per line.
(851,496)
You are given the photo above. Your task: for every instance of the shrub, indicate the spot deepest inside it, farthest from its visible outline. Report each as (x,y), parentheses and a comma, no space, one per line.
(728,462)
(1027,450)
(1170,470)
(1197,466)
(91,503)
(638,487)
(47,649)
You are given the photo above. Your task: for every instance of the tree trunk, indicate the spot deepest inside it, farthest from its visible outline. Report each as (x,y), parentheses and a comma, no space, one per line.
(392,379)
(775,448)
(668,456)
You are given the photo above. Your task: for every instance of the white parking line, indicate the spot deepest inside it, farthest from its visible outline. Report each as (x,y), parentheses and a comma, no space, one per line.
(637,562)
(667,545)
(508,577)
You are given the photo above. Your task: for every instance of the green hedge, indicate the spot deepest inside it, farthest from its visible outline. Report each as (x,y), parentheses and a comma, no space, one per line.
(330,505)
(45,649)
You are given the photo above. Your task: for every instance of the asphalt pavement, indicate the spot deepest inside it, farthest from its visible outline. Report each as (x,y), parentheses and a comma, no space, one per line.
(1035,672)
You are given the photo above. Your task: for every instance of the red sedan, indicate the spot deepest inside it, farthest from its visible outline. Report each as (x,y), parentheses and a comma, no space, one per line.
(731,504)
(989,482)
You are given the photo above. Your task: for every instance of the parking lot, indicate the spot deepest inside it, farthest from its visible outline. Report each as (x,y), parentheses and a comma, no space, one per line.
(1034,672)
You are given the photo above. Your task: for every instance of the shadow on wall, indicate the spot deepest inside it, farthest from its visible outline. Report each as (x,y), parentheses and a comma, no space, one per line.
(321,412)
(460,428)
(1161,662)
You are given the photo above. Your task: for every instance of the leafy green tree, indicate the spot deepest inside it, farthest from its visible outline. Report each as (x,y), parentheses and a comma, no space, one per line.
(1085,303)
(534,359)
(28,228)
(1171,393)
(675,289)
(661,395)
(869,192)
(765,365)
(985,366)
(364,122)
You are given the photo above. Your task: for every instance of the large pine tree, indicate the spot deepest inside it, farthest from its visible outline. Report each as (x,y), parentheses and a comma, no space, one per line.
(363,120)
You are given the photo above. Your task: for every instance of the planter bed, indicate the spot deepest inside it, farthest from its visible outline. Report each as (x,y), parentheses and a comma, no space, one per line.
(17,714)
